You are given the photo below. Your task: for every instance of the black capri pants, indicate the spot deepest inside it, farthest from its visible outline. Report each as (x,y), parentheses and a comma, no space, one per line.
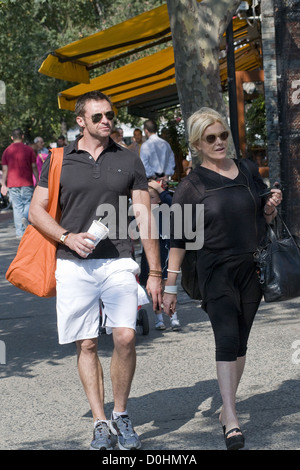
(231,297)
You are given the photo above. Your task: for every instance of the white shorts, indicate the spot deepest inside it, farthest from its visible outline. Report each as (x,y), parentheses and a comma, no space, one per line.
(80,284)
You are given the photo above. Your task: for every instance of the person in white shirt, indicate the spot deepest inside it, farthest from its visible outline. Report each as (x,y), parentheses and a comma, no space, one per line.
(156,153)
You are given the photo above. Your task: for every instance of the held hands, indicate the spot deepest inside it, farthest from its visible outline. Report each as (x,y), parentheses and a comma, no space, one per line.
(169,303)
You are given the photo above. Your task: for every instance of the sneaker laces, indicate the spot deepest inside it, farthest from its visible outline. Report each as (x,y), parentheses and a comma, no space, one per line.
(124,425)
(101,427)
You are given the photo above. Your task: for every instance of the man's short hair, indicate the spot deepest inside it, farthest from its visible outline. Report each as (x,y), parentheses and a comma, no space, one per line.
(17,134)
(150,126)
(90,95)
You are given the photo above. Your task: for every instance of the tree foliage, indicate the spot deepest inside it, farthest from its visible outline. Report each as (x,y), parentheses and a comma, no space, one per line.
(29,30)
(256,123)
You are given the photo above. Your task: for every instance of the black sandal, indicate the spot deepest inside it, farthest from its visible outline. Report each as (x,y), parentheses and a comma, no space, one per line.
(234,442)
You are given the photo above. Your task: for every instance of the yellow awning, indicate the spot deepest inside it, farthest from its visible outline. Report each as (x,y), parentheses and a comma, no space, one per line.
(72,62)
(147,75)
(141,76)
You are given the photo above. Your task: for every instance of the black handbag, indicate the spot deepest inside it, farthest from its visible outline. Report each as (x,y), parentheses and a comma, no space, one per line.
(189,276)
(278,262)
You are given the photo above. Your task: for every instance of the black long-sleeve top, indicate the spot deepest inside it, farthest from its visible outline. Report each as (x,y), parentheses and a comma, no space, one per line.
(233,210)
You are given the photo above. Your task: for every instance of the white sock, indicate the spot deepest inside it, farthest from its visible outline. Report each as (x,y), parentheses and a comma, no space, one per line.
(116,414)
(159,317)
(174,316)
(97,421)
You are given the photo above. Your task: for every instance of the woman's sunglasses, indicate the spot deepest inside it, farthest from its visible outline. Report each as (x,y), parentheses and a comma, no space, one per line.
(97,117)
(211,138)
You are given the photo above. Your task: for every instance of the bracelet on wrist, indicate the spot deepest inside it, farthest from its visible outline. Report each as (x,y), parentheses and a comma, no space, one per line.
(170,290)
(155,273)
(270,212)
(173,271)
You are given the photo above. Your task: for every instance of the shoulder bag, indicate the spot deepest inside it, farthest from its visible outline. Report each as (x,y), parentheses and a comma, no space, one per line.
(278,262)
(33,268)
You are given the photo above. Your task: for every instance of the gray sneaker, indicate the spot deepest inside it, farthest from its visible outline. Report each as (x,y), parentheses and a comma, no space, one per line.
(102,437)
(127,437)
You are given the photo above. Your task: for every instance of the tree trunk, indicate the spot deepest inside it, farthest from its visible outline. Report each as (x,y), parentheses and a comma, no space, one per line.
(196,32)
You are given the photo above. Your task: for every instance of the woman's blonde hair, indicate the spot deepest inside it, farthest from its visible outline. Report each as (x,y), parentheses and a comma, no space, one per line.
(197,124)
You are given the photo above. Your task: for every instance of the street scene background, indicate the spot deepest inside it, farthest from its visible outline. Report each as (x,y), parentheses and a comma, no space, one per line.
(174,402)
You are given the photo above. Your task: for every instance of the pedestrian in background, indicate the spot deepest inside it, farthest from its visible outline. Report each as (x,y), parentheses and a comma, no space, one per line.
(135,146)
(19,167)
(156,153)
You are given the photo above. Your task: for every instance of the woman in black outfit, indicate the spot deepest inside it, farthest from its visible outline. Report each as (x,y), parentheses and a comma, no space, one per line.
(235,217)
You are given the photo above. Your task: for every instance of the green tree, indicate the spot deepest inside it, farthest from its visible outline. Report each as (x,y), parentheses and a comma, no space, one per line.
(29,30)
(256,130)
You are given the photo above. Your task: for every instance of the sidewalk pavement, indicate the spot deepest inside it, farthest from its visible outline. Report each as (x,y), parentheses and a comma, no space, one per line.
(174,402)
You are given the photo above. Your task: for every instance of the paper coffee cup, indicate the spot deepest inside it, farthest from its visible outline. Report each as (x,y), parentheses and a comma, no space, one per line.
(99,230)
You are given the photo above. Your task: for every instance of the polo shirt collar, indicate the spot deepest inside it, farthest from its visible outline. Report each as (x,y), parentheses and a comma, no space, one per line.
(73,146)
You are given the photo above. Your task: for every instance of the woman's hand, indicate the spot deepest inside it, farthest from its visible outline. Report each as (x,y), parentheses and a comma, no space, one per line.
(273,202)
(169,304)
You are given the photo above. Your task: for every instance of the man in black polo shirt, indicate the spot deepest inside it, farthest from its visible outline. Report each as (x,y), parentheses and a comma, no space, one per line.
(98,176)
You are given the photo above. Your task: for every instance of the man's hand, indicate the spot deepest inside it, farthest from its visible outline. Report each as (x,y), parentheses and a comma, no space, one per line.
(78,243)
(4,190)
(154,290)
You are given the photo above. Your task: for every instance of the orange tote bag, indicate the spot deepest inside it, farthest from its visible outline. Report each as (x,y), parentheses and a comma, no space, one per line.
(33,268)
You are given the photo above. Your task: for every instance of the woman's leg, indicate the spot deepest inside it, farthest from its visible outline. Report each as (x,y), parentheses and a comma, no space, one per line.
(224,318)
(229,375)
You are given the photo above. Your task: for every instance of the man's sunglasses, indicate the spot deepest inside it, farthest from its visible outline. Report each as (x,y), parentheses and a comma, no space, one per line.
(211,138)
(97,117)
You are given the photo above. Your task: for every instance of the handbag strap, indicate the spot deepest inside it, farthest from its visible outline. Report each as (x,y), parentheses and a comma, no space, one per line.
(55,166)
(275,235)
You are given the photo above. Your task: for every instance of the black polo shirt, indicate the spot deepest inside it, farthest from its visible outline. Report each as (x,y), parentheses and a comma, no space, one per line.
(91,189)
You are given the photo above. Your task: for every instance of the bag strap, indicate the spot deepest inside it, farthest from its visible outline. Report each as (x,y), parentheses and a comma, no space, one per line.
(55,166)
(274,234)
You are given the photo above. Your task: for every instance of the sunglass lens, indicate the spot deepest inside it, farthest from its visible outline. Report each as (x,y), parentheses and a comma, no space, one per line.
(110,115)
(224,135)
(97,117)
(210,139)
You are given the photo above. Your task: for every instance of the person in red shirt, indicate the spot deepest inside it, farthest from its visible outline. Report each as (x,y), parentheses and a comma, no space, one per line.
(18,167)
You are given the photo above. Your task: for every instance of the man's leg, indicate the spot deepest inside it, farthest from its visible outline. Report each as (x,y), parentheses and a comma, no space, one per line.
(91,375)
(17,203)
(27,193)
(122,366)
(122,372)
